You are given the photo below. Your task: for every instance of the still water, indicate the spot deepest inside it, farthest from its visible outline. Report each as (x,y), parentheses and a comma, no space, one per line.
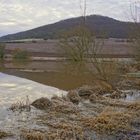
(13,90)
(58,74)
(61,74)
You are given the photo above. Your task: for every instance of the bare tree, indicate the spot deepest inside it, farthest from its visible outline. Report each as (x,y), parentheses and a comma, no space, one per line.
(83,8)
(82,46)
(135,15)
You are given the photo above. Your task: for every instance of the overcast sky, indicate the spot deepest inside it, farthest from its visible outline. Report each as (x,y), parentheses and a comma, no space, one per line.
(20,15)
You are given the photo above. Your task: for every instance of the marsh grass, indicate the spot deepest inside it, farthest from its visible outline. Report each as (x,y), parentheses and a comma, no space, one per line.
(68,121)
(108,122)
(21,105)
(4,134)
(32,135)
(63,131)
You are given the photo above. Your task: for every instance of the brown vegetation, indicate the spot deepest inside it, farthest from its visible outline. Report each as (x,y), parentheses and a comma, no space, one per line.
(32,135)
(4,134)
(21,105)
(108,122)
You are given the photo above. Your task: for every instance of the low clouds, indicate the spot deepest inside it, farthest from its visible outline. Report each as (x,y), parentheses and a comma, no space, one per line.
(20,15)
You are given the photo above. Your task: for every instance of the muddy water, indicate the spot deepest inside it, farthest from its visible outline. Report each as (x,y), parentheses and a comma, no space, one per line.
(51,74)
(62,74)
(14,89)
(58,74)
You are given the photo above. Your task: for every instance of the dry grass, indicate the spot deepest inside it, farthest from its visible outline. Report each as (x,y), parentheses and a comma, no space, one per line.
(73,96)
(106,101)
(134,106)
(108,122)
(21,105)
(134,109)
(57,131)
(4,134)
(104,86)
(113,120)
(65,131)
(67,121)
(62,106)
(32,135)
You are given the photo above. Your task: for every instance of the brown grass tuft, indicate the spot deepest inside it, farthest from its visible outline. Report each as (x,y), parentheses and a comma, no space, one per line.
(108,122)
(4,134)
(32,135)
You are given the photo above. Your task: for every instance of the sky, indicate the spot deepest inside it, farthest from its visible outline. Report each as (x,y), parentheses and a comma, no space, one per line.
(21,15)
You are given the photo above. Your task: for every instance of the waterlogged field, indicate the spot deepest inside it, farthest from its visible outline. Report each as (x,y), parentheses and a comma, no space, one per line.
(64,75)
(84,108)
(111,48)
(85,113)
(58,74)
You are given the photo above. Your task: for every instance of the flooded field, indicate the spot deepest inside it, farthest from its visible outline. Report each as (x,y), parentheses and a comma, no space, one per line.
(25,114)
(50,75)
(60,74)
(74,79)
(59,100)
(47,48)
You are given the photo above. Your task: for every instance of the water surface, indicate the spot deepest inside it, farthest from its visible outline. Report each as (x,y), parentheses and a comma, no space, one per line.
(13,90)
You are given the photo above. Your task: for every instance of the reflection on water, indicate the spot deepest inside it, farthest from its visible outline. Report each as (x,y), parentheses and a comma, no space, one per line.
(13,90)
(55,79)
(63,75)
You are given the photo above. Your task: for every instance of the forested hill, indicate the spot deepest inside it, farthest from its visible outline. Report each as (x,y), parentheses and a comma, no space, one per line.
(99,24)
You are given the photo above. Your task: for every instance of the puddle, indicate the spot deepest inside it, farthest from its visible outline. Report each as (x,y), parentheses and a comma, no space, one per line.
(132,96)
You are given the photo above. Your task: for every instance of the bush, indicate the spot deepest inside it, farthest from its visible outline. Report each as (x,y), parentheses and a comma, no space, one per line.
(34,41)
(20,54)
(2,51)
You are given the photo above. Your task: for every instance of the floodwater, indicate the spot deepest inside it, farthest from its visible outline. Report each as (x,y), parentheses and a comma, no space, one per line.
(14,90)
(53,75)
(64,75)
(58,74)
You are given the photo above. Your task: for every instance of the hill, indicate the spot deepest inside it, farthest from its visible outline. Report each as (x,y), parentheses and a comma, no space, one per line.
(113,28)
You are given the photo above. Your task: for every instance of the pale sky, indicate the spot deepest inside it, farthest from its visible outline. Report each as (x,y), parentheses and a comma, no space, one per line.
(20,15)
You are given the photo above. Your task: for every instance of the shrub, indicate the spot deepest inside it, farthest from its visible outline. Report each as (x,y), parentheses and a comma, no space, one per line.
(20,54)
(34,41)
(2,51)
